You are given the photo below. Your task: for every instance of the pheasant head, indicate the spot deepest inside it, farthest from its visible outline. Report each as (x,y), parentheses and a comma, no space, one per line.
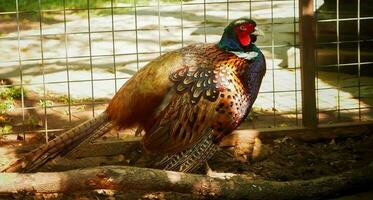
(239,35)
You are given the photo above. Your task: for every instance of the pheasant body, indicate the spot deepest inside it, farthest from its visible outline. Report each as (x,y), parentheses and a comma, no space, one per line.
(210,91)
(187,100)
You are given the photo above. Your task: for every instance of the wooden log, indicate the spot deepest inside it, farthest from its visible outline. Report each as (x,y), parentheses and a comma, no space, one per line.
(122,178)
(322,132)
(107,148)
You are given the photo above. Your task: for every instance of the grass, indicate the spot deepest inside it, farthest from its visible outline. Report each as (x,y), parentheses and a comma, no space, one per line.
(33,5)
(52,10)
(30,8)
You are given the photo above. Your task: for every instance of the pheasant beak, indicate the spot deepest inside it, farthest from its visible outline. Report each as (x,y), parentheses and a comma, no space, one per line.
(257,32)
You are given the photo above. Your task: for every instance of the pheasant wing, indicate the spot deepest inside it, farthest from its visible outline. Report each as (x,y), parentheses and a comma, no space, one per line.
(188,114)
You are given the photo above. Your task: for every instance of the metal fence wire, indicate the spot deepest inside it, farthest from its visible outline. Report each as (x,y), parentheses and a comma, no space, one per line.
(62,61)
(344,61)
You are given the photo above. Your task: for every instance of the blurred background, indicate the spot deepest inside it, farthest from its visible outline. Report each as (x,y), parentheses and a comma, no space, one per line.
(62,61)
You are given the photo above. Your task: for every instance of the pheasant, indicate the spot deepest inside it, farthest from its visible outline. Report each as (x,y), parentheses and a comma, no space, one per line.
(186,101)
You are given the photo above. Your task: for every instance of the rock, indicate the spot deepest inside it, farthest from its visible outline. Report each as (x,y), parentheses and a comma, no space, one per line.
(260,151)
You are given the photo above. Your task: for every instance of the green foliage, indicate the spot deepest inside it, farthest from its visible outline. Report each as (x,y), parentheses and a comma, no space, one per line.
(7,128)
(10,92)
(32,121)
(30,8)
(66,100)
(253,114)
(45,103)
(6,105)
(7,97)
(33,5)
(283,125)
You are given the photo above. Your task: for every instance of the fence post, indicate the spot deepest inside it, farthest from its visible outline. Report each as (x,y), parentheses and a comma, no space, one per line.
(307,34)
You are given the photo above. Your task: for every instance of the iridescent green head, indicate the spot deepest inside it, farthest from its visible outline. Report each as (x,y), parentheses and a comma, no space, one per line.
(239,35)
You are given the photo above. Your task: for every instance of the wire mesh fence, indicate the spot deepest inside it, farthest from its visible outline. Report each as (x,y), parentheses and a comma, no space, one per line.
(344,61)
(64,60)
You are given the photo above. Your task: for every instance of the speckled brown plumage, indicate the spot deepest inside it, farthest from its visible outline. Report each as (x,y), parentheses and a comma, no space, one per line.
(210,94)
(186,100)
(207,95)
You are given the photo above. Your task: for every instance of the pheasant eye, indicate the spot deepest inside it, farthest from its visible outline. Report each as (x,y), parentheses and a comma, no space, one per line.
(243,28)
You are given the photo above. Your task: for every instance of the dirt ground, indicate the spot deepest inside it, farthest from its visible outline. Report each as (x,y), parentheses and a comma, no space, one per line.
(286,159)
(281,159)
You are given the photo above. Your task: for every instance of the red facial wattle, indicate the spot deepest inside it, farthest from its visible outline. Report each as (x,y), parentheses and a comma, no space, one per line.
(244,38)
(243,32)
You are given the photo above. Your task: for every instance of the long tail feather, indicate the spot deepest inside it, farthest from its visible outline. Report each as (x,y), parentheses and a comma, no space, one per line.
(192,158)
(61,145)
